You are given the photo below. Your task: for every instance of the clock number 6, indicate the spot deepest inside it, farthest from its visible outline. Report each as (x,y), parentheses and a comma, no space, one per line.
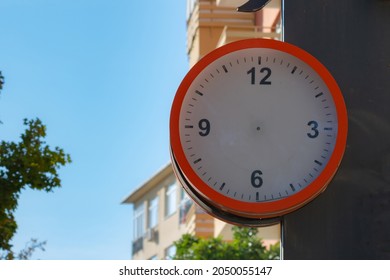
(256,179)
(314,129)
(263,81)
(204,126)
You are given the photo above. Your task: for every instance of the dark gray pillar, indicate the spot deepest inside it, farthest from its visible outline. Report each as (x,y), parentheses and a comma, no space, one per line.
(351,219)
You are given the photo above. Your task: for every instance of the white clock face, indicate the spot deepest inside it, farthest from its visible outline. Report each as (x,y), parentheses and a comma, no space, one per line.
(257,125)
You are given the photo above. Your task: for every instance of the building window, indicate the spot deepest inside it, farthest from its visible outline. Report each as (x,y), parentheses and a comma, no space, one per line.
(170,252)
(139,218)
(170,200)
(185,205)
(153,212)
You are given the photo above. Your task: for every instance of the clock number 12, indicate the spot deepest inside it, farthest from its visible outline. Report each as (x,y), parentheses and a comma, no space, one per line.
(266,74)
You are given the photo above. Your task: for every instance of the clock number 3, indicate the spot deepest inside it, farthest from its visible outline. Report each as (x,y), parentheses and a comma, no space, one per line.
(264,81)
(314,129)
(256,179)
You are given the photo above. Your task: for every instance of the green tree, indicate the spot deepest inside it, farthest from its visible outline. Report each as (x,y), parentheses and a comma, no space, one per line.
(29,163)
(245,246)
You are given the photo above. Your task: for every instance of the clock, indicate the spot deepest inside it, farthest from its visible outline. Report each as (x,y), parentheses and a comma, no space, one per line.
(258,129)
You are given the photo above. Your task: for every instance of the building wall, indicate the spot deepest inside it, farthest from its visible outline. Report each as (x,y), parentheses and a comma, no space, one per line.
(168,228)
(208,26)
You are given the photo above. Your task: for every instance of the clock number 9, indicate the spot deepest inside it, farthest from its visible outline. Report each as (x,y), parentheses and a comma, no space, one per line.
(256,179)
(314,129)
(263,81)
(204,126)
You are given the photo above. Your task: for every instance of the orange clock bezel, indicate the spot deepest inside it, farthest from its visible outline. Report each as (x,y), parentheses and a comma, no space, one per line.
(271,208)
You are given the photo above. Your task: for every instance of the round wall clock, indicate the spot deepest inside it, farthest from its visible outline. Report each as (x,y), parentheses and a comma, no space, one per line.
(258,129)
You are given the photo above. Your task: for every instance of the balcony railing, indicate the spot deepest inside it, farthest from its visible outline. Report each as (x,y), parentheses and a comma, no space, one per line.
(138,245)
(234,33)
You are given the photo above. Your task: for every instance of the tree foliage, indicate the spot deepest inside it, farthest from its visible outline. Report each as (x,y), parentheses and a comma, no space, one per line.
(29,163)
(245,246)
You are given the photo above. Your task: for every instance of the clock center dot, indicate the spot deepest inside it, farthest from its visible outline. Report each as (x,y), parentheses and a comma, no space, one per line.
(258,128)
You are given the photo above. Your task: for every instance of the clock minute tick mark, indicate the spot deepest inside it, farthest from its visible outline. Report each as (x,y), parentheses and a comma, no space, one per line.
(224,68)
(294,69)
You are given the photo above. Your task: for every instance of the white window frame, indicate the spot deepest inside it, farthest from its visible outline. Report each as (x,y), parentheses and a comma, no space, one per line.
(170,200)
(153,212)
(139,221)
(185,204)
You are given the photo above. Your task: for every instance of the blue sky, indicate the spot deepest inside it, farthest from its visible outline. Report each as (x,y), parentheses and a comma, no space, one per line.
(101,75)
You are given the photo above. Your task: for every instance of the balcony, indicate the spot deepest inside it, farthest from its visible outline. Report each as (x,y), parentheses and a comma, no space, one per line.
(199,223)
(234,33)
(205,14)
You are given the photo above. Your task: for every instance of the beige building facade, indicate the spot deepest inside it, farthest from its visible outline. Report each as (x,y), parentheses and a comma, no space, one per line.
(163,212)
